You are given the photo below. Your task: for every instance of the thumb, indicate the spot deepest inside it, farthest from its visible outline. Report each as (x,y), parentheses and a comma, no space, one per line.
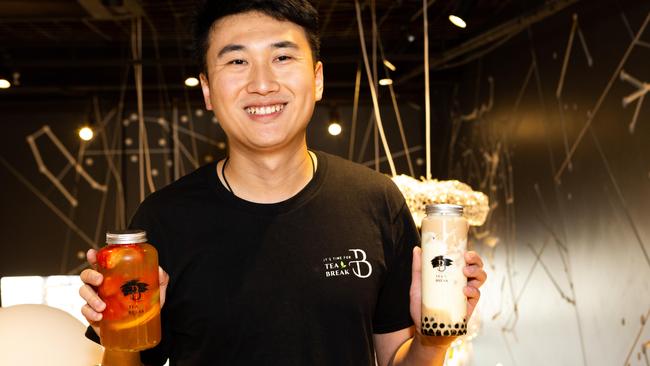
(163,279)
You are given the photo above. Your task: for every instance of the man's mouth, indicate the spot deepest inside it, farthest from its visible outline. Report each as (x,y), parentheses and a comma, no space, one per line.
(264,110)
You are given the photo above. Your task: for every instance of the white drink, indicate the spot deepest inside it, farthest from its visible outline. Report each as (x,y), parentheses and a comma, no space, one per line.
(444,242)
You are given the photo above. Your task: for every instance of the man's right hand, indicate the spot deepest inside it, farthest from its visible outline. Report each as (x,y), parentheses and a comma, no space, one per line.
(94,306)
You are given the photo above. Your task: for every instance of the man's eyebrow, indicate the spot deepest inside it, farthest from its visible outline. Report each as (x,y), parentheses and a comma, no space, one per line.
(230,48)
(285,44)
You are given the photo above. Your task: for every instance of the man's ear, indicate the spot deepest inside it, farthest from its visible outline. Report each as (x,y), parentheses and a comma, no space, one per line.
(318,77)
(205,88)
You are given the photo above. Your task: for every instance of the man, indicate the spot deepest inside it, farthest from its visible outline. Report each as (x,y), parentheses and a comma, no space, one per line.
(278,254)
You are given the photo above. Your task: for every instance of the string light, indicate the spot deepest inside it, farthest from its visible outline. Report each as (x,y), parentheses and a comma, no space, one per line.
(385,82)
(457,21)
(4,84)
(86,133)
(334,129)
(191,82)
(390,65)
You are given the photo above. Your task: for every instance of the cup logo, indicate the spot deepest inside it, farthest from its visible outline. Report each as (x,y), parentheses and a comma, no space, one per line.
(134,288)
(441,263)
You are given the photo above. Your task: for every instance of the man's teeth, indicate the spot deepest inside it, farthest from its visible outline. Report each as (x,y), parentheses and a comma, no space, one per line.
(265,110)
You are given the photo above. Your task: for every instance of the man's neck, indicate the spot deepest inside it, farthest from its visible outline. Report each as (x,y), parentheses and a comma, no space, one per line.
(267,177)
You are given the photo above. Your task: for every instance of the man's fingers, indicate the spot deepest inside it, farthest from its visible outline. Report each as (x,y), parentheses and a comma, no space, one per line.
(472,292)
(91,256)
(163,277)
(472,257)
(475,272)
(90,314)
(91,277)
(88,294)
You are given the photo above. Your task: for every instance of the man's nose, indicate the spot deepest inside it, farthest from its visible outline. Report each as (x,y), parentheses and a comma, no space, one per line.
(262,80)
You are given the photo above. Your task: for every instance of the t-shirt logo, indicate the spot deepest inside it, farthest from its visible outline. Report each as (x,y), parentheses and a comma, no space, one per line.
(360,266)
(356,263)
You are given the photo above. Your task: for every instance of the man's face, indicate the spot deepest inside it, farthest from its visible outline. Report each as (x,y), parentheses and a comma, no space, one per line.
(262,82)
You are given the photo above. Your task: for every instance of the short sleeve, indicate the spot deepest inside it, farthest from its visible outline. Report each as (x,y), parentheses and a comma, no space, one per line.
(392,311)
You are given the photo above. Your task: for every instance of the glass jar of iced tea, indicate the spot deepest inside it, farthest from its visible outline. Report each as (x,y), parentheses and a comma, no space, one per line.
(131,320)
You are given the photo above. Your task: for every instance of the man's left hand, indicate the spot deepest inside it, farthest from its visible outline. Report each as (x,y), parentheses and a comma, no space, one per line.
(476,277)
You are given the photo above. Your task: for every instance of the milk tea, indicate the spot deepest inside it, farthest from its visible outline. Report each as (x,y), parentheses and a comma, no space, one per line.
(444,242)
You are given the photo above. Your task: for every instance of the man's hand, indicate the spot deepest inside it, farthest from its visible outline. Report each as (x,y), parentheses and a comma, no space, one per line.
(94,306)
(475,279)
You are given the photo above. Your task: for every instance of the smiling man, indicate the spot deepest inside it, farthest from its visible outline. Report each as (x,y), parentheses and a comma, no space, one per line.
(278,255)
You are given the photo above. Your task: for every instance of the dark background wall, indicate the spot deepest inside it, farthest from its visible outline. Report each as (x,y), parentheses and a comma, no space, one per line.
(568,277)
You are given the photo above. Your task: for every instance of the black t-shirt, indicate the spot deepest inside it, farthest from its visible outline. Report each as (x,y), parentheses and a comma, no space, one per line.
(306,281)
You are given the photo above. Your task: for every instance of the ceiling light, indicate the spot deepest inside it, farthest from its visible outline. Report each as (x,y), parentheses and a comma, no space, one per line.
(4,84)
(86,133)
(389,65)
(410,38)
(385,82)
(334,129)
(460,14)
(191,82)
(457,21)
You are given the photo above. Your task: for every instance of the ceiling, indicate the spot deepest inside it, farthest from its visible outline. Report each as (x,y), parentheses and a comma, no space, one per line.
(83,47)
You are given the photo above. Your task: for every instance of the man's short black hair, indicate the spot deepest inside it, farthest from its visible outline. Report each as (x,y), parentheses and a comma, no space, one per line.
(300,12)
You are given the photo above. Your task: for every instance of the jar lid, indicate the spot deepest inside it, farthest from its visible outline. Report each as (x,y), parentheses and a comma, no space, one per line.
(444,209)
(126,237)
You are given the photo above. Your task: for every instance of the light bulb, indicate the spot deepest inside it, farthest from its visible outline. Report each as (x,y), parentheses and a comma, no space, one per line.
(334,129)
(191,81)
(4,84)
(86,133)
(389,65)
(457,21)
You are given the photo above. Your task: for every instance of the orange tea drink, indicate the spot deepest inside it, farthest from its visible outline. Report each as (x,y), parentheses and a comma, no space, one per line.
(131,320)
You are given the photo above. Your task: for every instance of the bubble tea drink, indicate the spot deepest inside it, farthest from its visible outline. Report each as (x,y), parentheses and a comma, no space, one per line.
(444,242)
(131,320)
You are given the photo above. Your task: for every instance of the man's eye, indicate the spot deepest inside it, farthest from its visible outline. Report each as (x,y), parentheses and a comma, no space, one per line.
(237,62)
(284,58)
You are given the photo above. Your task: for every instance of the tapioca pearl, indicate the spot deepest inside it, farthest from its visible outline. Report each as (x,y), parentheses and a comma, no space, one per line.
(426,319)
(446,333)
(434,325)
(442,325)
(453,332)
(456,325)
(438,333)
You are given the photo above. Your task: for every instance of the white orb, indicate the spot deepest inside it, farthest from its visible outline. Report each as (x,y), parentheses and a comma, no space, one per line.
(334,129)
